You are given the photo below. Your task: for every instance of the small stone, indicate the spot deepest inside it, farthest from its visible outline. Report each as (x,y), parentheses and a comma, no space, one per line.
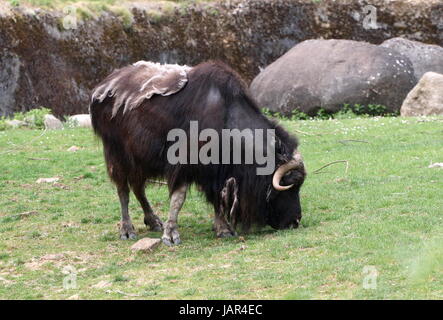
(15,123)
(146,244)
(48,180)
(436,165)
(73,149)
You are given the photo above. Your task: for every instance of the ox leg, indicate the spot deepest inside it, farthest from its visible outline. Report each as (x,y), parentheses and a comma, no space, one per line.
(150,219)
(127,230)
(228,207)
(170,233)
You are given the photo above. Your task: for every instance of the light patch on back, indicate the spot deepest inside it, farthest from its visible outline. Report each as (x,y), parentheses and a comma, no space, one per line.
(214,96)
(131,85)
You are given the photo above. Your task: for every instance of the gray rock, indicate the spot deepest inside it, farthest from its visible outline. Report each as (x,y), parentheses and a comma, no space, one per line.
(424,57)
(16,123)
(52,123)
(426,98)
(146,244)
(48,180)
(330,73)
(81,120)
(9,75)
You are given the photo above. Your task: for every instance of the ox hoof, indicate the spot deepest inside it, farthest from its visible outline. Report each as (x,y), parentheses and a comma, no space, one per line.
(131,236)
(226,234)
(156,228)
(171,242)
(154,223)
(170,235)
(127,231)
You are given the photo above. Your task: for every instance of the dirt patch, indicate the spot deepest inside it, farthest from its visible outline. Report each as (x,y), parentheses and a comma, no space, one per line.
(58,260)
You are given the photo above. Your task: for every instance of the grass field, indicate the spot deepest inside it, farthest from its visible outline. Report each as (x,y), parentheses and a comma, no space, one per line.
(58,4)
(86,9)
(380,223)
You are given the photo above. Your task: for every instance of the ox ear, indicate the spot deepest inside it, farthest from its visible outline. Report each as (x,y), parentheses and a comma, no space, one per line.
(292,177)
(229,200)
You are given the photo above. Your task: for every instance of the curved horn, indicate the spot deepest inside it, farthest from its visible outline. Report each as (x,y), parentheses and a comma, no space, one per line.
(283,169)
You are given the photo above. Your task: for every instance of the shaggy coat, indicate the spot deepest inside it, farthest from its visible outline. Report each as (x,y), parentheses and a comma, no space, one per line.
(135,143)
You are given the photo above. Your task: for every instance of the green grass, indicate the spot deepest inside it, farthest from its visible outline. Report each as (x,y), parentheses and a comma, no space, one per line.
(87,9)
(385,212)
(103,4)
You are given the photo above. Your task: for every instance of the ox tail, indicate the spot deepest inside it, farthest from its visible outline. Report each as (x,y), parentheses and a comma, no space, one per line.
(99,115)
(118,162)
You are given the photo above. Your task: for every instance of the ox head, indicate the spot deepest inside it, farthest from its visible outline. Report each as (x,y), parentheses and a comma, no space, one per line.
(279,206)
(283,197)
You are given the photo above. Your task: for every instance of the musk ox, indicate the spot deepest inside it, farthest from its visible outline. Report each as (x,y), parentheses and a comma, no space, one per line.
(134,110)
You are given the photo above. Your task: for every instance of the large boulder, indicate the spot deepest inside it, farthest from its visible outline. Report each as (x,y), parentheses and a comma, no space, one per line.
(81,120)
(52,123)
(426,98)
(330,73)
(424,57)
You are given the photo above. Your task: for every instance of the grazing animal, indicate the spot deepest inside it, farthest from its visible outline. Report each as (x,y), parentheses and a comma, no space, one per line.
(134,132)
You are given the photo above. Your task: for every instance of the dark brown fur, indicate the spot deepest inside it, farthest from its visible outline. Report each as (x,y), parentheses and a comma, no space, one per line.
(135,145)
